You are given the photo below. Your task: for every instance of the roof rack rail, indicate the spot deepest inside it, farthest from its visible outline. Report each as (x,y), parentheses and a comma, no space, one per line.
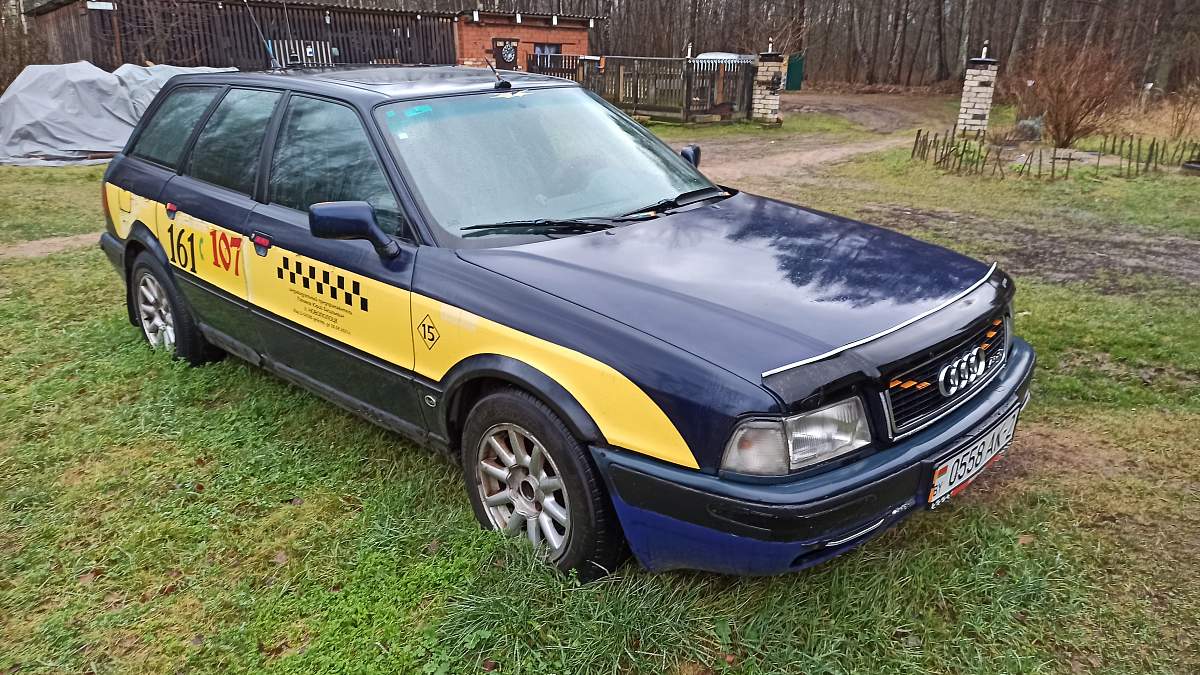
(312,64)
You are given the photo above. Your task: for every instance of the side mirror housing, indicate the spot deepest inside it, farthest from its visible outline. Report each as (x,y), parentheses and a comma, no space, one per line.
(350,220)
(692,154)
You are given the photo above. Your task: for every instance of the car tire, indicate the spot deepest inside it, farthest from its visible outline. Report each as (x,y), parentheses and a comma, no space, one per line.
(523,497)
(161,314)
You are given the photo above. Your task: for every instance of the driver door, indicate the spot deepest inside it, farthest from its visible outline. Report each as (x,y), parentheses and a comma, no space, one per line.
(335,314)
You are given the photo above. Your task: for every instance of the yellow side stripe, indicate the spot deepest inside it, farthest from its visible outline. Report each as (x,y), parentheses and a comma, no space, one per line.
(626,416)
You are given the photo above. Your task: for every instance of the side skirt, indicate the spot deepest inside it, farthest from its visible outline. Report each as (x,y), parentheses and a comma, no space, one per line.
(368,412)
(393,423)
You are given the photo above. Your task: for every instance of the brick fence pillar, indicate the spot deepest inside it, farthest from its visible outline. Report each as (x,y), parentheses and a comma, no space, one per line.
(978,87)
(770,73)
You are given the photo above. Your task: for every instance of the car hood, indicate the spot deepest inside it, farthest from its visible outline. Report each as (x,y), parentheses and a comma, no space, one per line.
(747,283)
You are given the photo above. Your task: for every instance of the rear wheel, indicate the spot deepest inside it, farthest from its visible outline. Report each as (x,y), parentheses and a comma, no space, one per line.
(160,312)
(528,477)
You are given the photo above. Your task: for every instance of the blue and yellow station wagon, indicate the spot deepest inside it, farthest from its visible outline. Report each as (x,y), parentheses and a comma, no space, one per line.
(621,355)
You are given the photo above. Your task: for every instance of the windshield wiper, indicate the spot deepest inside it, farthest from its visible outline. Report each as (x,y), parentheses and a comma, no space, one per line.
(541,226)
(682,199)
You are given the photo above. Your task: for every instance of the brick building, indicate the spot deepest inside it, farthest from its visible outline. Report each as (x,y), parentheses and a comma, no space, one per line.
(508,40)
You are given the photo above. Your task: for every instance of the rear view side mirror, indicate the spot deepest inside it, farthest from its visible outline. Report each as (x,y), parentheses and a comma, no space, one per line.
(350,220)
(692,154)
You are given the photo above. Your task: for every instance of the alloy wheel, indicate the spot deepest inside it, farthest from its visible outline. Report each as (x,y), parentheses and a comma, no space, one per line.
(154,311)
(521,488)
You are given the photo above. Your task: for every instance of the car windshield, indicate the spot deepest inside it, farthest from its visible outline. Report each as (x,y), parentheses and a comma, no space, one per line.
(528,159)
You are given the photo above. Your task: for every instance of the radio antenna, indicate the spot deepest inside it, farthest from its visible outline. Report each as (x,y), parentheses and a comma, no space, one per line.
(275,65)
(501,83)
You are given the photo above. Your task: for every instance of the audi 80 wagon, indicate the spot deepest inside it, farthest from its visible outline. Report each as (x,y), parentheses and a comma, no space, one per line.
(622,355)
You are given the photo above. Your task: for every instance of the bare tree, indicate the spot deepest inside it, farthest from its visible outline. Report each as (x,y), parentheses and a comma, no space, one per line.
(1074,89)
(19,46)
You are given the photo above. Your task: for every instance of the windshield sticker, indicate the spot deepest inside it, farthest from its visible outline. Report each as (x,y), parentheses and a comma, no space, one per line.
(418,110)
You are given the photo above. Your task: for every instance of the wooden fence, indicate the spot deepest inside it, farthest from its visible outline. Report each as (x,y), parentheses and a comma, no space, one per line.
(660,87)
(1124,156)
(209,33)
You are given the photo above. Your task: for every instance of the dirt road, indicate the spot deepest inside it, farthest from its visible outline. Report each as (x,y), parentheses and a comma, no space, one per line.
(44,247)
(747,161)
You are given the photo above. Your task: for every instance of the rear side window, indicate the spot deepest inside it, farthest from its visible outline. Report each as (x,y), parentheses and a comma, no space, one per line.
(164,136)
(324,155)
(227,151)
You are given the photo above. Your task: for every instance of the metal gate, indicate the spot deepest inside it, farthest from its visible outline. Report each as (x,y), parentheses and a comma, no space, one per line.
(661,87)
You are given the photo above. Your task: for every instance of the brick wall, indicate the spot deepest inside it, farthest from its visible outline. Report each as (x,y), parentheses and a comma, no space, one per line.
(474,39)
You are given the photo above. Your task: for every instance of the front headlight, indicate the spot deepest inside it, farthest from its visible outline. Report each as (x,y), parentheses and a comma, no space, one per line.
(826,433)
(774,447)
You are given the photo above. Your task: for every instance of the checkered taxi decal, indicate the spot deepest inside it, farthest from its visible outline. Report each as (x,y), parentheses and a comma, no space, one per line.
(311,277)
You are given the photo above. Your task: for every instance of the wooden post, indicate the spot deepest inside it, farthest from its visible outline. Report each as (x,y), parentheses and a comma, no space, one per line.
(720,83)
(686,105)
(916,143)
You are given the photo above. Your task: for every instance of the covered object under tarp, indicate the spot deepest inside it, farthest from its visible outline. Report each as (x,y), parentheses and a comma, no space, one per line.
(76,112)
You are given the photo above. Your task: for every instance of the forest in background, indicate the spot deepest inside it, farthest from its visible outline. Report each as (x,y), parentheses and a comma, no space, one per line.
(894,42)
(881,42)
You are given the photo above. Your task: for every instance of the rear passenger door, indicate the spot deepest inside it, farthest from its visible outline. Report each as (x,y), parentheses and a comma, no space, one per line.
(135,182)
(337,313)
(203,225)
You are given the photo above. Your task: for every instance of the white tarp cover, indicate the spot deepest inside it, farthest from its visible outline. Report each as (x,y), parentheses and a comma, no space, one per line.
(72,112)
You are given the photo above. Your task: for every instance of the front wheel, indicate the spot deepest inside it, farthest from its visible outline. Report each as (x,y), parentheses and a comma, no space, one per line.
(528,476)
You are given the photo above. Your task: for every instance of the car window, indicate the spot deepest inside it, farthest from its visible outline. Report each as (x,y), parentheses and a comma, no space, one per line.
(227,151)
(163,138)
(323,155)
(529,154)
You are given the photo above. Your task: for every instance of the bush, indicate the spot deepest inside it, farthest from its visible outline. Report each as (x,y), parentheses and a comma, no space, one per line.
(1072,89)
(1184,106)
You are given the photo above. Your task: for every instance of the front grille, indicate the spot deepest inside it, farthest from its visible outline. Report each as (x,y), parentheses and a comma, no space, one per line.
(914,398)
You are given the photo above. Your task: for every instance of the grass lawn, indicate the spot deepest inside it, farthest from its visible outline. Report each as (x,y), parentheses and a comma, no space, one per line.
(1166,203)
(155,517)
(37,203)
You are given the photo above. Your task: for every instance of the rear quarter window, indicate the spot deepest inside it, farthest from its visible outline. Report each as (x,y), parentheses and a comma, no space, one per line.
(164,136)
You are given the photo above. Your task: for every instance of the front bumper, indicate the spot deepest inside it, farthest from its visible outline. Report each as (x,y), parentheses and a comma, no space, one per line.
(678,518)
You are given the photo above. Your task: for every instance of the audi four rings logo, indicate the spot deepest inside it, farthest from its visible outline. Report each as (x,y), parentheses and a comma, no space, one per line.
(962,372)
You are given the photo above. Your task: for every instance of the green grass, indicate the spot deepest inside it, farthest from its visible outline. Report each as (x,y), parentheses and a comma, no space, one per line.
(37,203)
(1165,203)
(834,126)
(155,517)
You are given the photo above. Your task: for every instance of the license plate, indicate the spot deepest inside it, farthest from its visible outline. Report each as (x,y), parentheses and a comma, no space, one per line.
(953,474)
